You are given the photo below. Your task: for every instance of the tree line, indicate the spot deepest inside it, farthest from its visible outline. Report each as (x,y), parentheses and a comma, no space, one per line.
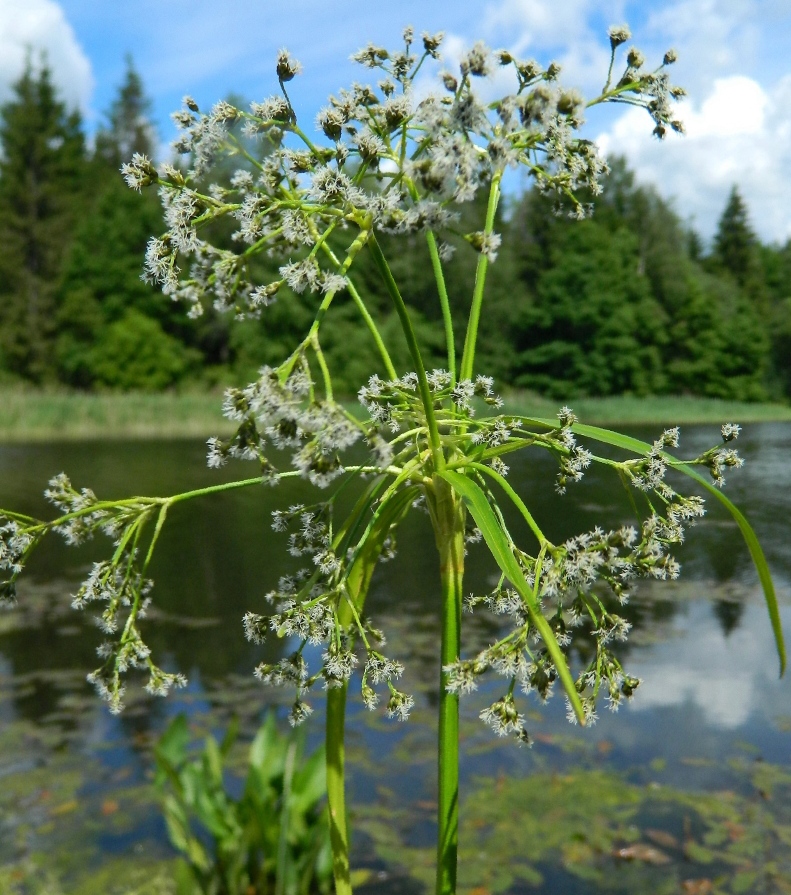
(627,301)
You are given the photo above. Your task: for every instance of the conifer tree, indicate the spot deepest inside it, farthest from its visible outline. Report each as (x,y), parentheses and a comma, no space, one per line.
(129,127)
(735,244)
(114,330)
(42,178)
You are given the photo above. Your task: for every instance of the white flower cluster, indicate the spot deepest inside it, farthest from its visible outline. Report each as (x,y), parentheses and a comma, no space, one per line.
(279,412)
(572,458)
(504,719)
(306,607)
(120,586)
(16,543)
(396,403)
(392,160)
(566,580)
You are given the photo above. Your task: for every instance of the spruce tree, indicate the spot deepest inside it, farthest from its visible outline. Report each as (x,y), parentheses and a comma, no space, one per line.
(42,177)
(129,127)
(735,244)
(114,330)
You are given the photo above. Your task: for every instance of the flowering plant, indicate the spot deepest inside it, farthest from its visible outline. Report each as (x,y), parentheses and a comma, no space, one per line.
(394,158)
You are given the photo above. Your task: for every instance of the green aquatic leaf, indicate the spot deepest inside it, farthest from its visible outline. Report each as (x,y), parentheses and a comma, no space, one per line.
(500,548)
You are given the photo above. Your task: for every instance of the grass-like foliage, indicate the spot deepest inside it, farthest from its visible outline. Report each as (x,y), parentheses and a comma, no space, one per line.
(272,839)
(394,157)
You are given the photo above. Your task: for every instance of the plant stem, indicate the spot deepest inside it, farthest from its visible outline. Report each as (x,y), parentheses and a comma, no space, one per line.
(414,350)
(216,489)
(439,277)
(336,797)
(442,289)
(447,512)
(369,321)
(468,357)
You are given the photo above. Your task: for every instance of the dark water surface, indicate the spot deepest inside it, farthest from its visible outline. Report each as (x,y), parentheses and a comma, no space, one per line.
(687,789)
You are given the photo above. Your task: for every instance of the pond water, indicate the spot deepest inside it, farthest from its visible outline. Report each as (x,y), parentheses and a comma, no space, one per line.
(686,789)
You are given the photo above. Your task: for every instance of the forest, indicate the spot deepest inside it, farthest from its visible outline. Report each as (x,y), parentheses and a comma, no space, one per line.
(572,305)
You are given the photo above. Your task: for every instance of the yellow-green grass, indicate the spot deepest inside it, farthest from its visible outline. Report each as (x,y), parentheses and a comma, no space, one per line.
(27,415)
(666,409)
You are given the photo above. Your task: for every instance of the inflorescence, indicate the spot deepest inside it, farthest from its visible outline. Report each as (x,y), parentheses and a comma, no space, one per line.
(390,158)
(393,159)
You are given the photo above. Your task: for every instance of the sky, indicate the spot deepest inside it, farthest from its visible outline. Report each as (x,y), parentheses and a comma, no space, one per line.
(734,61)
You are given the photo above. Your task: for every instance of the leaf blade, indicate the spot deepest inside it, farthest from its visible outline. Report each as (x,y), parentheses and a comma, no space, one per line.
(607,436)
(758,558)
(498,545)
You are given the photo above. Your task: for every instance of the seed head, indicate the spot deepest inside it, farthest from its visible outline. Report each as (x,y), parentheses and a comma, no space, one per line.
(287,66)
(619,34)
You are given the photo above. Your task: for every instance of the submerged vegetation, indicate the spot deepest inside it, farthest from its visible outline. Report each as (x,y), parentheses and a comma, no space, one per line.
(603,829)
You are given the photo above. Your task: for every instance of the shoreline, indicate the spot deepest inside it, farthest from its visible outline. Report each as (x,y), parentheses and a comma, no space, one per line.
(30,416)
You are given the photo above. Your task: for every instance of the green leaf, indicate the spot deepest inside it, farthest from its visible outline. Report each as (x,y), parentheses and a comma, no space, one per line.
(310,782)
(230,737)
(359,577)
(268,751)
(607,436)
(174,741)
(500,548)
(759,560)
(212,758)
(352,522)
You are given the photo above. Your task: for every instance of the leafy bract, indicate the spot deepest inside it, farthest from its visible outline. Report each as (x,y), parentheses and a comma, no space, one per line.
(607,436)
(500,548)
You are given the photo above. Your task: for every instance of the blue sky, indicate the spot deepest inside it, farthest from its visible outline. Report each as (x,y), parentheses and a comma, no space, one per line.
(734,61)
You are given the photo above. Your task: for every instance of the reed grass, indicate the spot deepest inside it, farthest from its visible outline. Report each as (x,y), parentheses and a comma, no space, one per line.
(28,415)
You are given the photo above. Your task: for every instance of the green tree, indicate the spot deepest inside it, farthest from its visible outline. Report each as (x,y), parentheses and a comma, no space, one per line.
(619,303)
(42,180)
(114,330)
(776,264)
(129,127)
(735,243)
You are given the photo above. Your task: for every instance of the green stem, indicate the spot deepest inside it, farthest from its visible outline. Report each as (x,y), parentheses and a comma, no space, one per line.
(335,719)
(325,372)
(468,357)
(447,512)
(439,276)
(414,350)
(517,500)
(163,514)
(228,486)
(354,248)
(369,322)
(336,796)
(357,299)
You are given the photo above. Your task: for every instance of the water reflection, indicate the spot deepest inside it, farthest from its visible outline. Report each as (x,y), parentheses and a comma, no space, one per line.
(703,647)
(728,678)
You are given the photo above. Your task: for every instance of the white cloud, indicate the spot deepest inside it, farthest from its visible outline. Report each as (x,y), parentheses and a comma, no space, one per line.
(739,134)
(538,27)
(36,25)
(727,679)
(713,37)
(739,128)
